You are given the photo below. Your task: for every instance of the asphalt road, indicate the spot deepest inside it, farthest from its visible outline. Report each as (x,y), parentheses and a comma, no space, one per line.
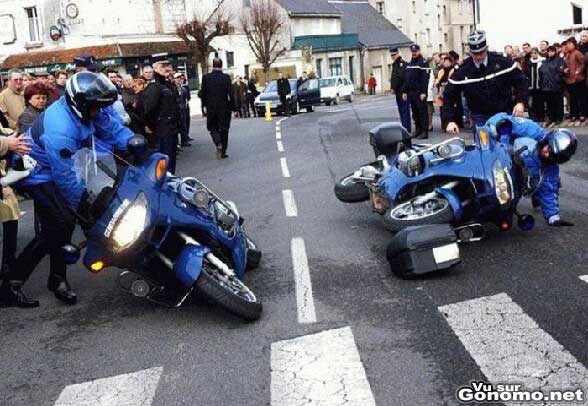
(410,340)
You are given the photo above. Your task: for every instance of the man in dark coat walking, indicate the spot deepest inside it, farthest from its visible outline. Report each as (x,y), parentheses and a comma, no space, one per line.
(284,90)
(161,109)
(414,90)
(217,97)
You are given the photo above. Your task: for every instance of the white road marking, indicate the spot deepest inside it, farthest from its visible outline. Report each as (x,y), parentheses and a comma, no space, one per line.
(135,389)
(285,170)
(509,346)
(280,120)
(323,369)
(304,298)
(289,203)
(278,135)
(280,146)
(584,278)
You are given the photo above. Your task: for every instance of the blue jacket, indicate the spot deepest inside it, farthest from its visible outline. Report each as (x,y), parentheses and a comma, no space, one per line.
(527,133)
(58,134)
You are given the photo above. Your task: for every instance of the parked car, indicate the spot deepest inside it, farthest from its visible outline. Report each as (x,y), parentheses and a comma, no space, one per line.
(309,94)
(336,88)
(270,94)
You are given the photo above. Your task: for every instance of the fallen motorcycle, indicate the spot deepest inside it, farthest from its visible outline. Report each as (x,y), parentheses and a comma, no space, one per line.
(446,183)
(173,236)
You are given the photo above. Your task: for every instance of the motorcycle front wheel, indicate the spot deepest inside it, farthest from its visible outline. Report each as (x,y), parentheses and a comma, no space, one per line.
(229,292)
(433,211)
(349,191)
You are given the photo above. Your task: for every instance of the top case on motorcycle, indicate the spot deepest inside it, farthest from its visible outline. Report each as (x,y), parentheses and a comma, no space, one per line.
(389,139)
(423,249)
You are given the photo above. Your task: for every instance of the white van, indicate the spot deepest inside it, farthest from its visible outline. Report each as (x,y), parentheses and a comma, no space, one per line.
(336,88)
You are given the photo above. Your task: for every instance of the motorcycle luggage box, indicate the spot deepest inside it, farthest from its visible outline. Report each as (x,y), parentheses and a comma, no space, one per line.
(390,139)
(423,249)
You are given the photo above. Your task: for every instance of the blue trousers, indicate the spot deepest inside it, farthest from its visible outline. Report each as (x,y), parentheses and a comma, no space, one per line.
(168,145)
(404,110)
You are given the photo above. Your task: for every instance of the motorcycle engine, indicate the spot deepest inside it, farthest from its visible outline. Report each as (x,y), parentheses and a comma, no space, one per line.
(410,163)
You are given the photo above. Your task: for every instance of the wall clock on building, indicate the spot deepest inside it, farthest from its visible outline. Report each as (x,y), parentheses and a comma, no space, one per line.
(72,11)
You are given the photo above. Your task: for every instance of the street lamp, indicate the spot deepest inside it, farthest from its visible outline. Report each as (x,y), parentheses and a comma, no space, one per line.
(475,10)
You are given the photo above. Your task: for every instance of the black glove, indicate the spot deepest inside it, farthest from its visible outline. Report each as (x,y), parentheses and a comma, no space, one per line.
(561,223)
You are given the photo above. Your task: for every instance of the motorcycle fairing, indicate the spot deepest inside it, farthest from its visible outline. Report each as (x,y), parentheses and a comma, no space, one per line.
(188,265)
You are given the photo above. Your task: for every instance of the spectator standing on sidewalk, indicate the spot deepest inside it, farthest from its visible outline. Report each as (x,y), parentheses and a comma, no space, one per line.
(372,83)
(397,78)
(441,82)
(537,102)
(12,102)
(415,90)
(252,94)
(284,91)
(551,76)
(60,81)
(238,96)
(161,110)
(576,83)
(35,97)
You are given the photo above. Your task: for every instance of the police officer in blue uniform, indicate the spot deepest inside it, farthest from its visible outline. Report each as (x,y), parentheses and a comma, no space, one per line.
(415,89)
(82,118)
(397,78)
(488,81)
(541,154)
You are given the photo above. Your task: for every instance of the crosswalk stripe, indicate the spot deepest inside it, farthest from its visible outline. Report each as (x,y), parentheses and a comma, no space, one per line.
(509,346)
(584,278)
(319,370)
(134,389)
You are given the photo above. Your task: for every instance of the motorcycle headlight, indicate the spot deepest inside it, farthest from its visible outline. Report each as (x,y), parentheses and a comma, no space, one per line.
(131,225)
(502,184)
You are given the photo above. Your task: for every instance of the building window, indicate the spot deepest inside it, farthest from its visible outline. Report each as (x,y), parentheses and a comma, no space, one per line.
(230,59)
(429,37)
(414,6)
(399,23)
(335,66)
(34,24)
(319,67)
(577,11)
(380,7)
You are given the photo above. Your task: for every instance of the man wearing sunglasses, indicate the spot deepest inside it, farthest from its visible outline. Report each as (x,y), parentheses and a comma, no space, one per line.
(12,102)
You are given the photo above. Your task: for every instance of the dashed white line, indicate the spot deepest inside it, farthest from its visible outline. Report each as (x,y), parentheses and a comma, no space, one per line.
(304,298)
(509,346)
(278,134)
(284,165)
(135,389)
(323,369)
(289,203)
(280,146)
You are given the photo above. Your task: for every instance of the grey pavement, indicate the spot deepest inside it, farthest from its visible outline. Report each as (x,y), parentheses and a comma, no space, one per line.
(411,352)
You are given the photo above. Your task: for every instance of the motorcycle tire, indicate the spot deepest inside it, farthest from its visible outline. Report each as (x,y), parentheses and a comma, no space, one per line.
(351,192)
(254,255)
(212,288)
(445,216)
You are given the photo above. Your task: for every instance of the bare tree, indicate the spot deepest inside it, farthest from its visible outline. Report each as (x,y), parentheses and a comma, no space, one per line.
(263,25)
(199,32)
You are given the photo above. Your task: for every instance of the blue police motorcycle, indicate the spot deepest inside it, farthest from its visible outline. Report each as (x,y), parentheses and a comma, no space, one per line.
(450,182)
(172,236)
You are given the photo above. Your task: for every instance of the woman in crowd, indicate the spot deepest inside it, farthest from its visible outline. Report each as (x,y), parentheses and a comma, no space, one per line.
(27,79)
(9,209)
(537,108)
(35,96)
(441,82)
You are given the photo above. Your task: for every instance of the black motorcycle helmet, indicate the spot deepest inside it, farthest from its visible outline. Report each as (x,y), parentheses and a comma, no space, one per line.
(86,91)
(562,145)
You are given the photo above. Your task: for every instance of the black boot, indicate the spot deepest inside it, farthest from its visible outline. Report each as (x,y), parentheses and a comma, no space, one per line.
(423,136)
(416,133)
(11,295)
(60,287)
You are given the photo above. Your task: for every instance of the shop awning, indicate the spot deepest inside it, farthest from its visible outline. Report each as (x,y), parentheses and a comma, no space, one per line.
(327,42)
(106,55)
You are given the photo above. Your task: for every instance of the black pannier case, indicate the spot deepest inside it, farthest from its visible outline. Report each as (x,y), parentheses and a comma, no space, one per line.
(423,249)
(389,139)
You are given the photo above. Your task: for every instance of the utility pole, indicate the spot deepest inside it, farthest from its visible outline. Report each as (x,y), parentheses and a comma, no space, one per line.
(475,11)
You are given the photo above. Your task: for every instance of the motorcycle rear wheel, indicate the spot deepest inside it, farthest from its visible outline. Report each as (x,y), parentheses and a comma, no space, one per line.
(348,191)
(395,221)
(230,293)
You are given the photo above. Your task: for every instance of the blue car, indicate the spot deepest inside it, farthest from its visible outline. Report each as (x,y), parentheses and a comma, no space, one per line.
(270,95)
(173,236)
(450,182)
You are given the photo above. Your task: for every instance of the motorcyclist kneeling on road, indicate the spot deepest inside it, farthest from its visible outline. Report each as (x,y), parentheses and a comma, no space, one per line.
(540,155)
(68,125)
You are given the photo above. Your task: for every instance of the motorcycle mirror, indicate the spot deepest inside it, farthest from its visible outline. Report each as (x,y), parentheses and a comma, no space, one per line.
(71,254)
(526,222)
(138,148)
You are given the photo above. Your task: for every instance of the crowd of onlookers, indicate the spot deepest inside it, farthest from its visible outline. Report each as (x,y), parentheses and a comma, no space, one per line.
(557,76)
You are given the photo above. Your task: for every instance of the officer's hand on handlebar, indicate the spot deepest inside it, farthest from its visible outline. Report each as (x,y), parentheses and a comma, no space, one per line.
(519,110)
(452,128)
(561,223)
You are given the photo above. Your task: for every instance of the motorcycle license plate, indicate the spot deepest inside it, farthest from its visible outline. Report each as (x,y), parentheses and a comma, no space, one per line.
(446,253)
